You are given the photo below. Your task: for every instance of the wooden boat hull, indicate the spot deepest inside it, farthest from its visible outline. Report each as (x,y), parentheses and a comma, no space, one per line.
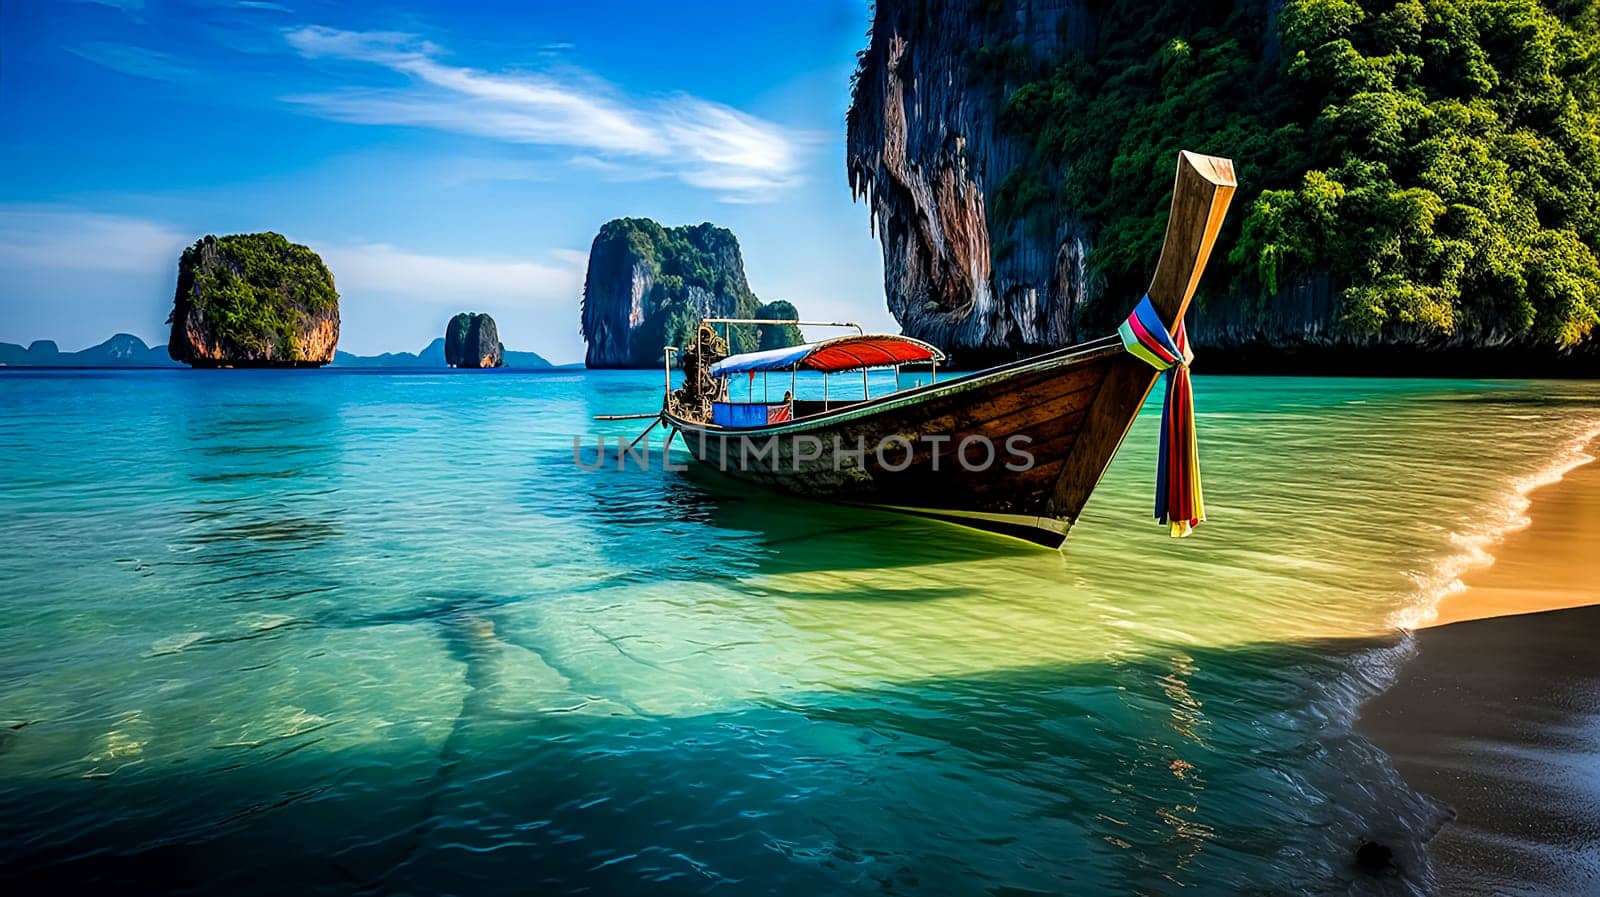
(879,452)
(1014,449)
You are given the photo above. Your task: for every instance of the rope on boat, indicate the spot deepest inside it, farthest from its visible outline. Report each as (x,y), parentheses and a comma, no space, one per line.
(692,400)
(640,438)
(1179,504)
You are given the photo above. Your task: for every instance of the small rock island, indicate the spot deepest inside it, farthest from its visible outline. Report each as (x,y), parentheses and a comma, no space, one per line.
(472,341)
(648,286)
(253,300)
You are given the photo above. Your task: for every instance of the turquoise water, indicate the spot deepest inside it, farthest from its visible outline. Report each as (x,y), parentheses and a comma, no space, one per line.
(326,631)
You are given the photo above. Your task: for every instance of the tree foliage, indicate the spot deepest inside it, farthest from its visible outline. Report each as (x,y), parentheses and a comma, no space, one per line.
(255,290)
(778,336)
(697,271)
(1438,159)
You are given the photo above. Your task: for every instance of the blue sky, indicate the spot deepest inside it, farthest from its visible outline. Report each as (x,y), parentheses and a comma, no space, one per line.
(441,158)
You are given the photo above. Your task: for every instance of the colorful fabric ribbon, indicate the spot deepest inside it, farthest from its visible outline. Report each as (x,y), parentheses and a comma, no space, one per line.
(1179,504)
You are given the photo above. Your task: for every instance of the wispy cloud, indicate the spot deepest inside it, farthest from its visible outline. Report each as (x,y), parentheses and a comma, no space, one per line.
(77,276)
(576,259)
(124,5)
(458,172)
(380,268)
(608,170)
(705,144)
(47,237)
(133,60)
(386,291)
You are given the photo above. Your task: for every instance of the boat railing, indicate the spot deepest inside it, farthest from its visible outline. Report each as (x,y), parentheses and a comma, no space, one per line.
(712,400)
(666,357)
(798,322)
(795,321)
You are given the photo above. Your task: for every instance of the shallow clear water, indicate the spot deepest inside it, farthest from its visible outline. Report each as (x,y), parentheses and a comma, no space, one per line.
(325,631)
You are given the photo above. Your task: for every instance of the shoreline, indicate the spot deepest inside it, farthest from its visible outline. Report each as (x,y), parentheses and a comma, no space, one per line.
(1497,712)
(1477,582)
(1545,564)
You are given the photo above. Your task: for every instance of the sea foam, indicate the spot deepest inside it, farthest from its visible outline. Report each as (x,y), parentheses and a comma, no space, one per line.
(1506,514)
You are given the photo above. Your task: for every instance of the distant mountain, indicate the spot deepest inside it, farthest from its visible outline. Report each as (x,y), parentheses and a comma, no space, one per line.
(532,360)
(128,351)
(121,351)
(432,356)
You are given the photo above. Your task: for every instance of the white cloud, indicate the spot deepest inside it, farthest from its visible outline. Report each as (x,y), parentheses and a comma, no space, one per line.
(34,237)
(389,270)
(728,147)
(131,60)
(705,144)
(124,5)
(77,277)
(406,296)
(616,172)
(577,259)
(458,172)
(63,237)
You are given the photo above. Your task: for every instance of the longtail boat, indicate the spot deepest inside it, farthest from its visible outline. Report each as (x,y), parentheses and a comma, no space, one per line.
(1015,449)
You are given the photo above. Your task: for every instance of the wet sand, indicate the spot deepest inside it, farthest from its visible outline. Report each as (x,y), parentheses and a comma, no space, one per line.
(1498,714)
(1552,563)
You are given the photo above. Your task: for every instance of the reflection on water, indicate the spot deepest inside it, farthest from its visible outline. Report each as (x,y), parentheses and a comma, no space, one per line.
(351,632)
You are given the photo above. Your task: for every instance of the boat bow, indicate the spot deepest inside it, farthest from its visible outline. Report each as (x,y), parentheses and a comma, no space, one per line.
(1201,192)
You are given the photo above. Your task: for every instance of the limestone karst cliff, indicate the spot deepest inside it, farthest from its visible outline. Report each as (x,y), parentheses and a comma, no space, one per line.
(1415,184)
(253,300)
(648,285)
(926,152)
(472,340)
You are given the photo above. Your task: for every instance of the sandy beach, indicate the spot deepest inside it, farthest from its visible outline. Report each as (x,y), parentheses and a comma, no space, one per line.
(1498,714)
(1548,565)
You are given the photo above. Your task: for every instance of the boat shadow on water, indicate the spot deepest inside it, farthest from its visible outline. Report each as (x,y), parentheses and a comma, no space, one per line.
(718,529)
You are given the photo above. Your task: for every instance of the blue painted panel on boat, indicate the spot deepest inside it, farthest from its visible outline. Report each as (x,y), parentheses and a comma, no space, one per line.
(730,414)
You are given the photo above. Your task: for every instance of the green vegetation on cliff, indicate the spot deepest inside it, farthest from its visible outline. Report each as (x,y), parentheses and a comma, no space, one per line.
(1438,159)
(697,272)
(778,336)
(254,291)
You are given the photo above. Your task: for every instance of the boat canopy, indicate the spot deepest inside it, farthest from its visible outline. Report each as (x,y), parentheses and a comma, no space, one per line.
(843,353)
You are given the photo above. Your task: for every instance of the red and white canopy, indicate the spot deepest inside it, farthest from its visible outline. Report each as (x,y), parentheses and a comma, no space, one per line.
(844,353)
